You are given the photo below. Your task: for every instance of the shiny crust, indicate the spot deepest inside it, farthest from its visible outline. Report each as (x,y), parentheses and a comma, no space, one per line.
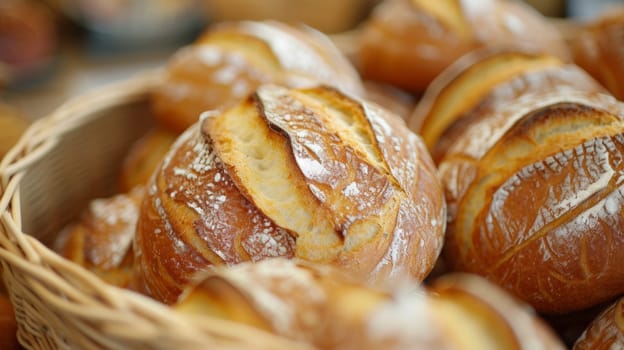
(465,83)
(230,60)
(534,201)
(101,240)
(391,53)
(598,48)
(307,173)
(519,92)
(174,240)
(606,331)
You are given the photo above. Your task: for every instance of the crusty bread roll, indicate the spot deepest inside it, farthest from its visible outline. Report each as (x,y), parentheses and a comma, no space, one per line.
(311,173)
(321,306)
(606,331)
(101,240)
(8,325)
(144,157)
(230,60)
(482,83)
(534,198)
(409,42)
(598,47)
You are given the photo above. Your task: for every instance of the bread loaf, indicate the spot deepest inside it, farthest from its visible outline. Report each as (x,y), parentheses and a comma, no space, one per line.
(310,173)
(484,83)
(101,240)
(534,200)
(598,47)
(321,306)
(446,30)
(230,60)
(606,331)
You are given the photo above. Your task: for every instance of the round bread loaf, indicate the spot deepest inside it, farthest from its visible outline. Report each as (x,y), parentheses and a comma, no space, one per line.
(312,174)
(407,43)
(534,198)
(230,60)
(101,240)
(606,331)
(321,306)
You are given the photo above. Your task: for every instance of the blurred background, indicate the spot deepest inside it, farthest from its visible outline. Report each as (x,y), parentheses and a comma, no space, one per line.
(55,49)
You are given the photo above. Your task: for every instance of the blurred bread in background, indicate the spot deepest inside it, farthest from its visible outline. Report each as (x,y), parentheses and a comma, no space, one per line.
(598,47)
(231,59)
(28,40)
(328,16)
(407,43)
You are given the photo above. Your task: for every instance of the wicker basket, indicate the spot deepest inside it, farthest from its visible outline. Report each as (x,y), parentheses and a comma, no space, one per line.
(62,162)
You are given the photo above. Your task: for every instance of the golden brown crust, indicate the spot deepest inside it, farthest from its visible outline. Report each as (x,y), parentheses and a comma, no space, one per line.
(193,216)
(515,94)
(230,60)
(464,84)
(391,53)
(308,173)
(606,331)
(486,82)
(535,207)
(102,239)
(143,158)
(598,49)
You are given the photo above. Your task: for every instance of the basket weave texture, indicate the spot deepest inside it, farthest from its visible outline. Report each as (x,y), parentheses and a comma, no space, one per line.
(60,163)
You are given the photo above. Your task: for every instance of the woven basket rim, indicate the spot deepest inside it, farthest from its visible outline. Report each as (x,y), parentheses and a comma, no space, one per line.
(111,316)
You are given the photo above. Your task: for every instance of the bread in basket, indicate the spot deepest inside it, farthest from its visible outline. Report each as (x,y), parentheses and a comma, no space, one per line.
(74,155)
(62,162)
